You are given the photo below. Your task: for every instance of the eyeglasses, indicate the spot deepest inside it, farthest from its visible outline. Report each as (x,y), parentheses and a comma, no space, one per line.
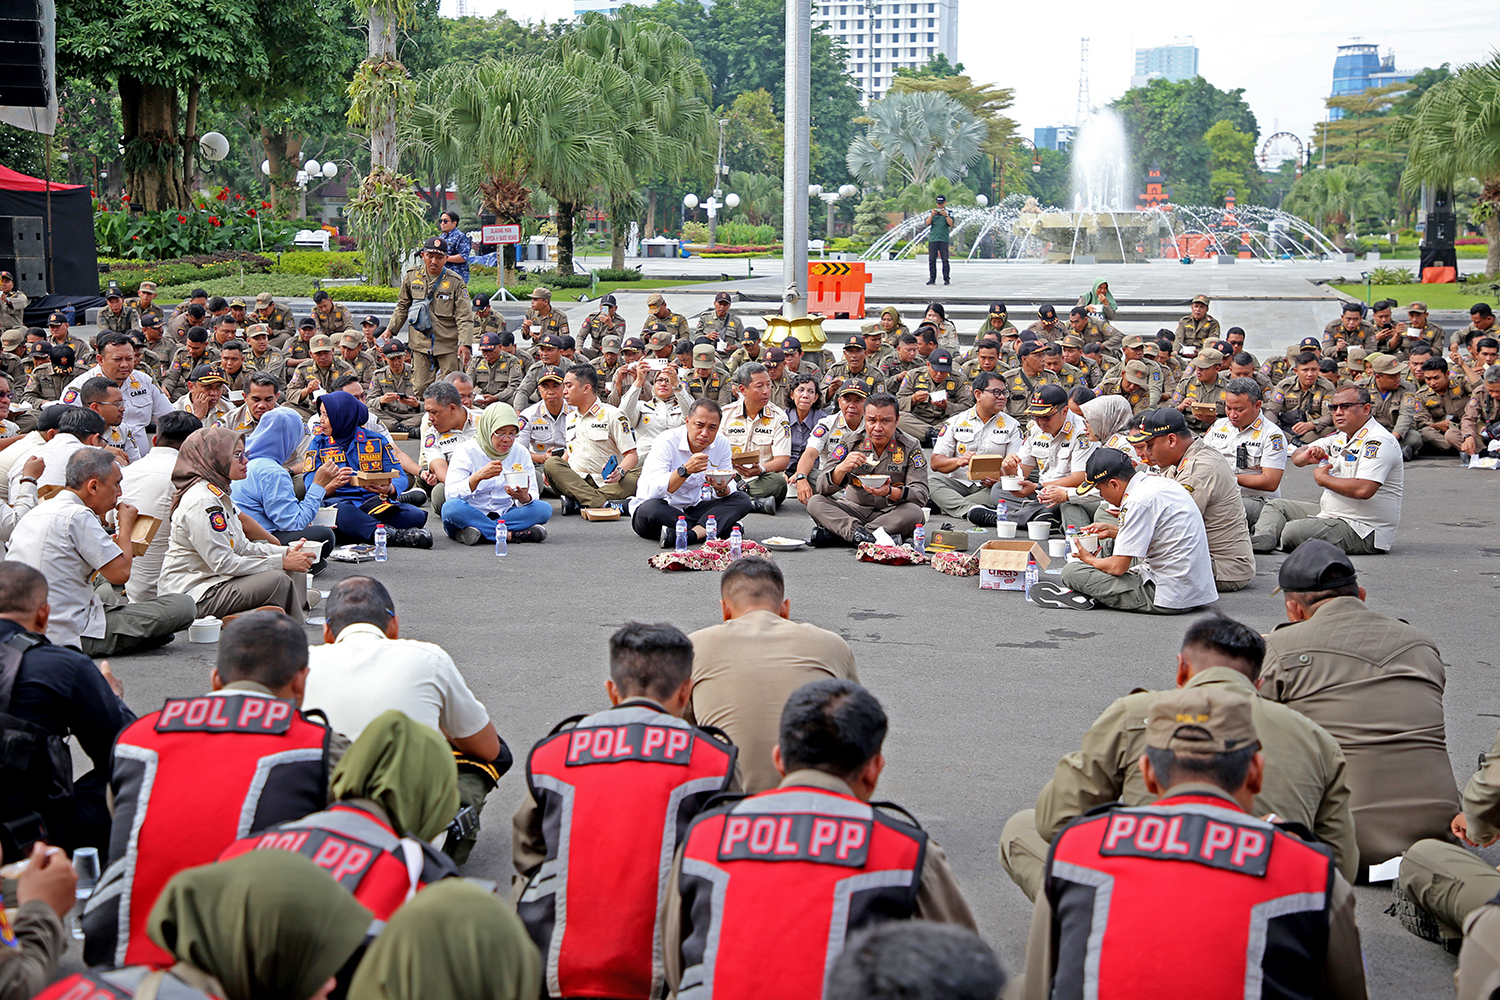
(5,394)
(1343,406)
(117,403)
(997,393)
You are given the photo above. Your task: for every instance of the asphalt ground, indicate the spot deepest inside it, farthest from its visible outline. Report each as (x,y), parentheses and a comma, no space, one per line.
(985,692)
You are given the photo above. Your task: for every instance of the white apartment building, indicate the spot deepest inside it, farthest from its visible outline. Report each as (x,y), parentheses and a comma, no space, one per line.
(884,35)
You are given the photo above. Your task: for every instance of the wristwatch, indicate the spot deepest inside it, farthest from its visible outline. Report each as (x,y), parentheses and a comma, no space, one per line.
(799,477)
(682,471)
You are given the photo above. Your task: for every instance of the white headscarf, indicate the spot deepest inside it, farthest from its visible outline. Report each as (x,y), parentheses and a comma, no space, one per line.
(1106,415)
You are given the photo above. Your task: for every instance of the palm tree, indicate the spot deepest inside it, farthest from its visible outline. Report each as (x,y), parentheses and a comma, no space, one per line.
(1454,133)
(1339,196)
(916,137)
(653,91)
(760,195)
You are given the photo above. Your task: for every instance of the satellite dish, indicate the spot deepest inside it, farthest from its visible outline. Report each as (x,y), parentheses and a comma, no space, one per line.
(213,146)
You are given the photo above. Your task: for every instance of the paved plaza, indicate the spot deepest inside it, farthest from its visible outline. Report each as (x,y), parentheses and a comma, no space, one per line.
(985,692)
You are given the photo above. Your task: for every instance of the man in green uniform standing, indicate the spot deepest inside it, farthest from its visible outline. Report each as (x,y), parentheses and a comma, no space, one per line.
(941,221)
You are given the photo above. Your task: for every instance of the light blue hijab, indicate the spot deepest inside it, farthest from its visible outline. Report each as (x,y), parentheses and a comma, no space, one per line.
(276,436)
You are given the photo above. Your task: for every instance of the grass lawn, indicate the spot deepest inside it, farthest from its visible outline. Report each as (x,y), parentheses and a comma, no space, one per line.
(1453,296)
(285,286)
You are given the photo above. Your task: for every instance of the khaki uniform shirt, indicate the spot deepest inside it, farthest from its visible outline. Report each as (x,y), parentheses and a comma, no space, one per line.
(554,323)
(1194,390)
(960,396)
(1156,386)
(889,337)
(1195,332)
(1396,410)
(306,372)
(30,962)
(676,324)
(1305,769)
(208,545)
(1138,398)
(894,370)
(939,898)
(119,322)
(902,461)
(13,310)
(1019,386)
(336,321)
(839,372)
(277,317)
(387,381)
(490,322)
(743,672)
(496,380)
(448,305)
(1209,478)
(1481,798)
(1376,684)
(527,391)
(46,385)
(364,365)
(598,326)
(273,362)
(154,309)
(1290,395)
(297,348)
(740,356)
(596,436)
(1483,409)
(715,386)
(238,419)
(727,332)
(1362,337)
(174,379)
(971,368)
(1342,972)
(1434,407)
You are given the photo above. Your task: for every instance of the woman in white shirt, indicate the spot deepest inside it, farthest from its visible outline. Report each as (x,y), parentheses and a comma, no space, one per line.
(491,481)
(666,407)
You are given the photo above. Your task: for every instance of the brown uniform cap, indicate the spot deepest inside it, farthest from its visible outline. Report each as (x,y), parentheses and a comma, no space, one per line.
(1200,720)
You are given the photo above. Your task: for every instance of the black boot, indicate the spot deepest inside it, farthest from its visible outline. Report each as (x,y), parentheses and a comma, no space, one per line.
(408,538)
(763,505)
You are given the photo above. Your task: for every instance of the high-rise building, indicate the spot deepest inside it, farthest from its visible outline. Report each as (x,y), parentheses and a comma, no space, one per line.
(1174,63)
(581,7)
(1359,67)
(1053,137)
(882,36)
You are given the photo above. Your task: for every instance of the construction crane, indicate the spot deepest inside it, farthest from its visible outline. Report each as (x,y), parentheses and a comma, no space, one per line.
(1084,109)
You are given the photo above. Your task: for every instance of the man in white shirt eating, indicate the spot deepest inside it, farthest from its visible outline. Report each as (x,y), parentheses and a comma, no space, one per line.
(675,481)
(1255,446)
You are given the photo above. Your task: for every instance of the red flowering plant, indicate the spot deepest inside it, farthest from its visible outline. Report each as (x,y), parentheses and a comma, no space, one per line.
(222,220)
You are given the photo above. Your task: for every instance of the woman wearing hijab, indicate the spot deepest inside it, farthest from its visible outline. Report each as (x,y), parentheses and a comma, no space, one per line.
(996,322)
(889,325)
(267,496)
(1106,418)
(455,941)
(270,924)
(946,331)
(223,563)
(346,441)
(394,791)
(492,482)
(1099,301)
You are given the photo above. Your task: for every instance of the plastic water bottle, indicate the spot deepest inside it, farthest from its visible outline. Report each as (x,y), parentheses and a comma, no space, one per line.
(682,534)
(1070,532)
(1002,510)
(380,542)
(1032,575)
(86,864)
(735,539)
(919,539)
(502,539)
(712,528)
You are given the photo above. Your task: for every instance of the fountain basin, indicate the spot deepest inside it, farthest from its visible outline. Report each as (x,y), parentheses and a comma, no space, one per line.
(1107,237)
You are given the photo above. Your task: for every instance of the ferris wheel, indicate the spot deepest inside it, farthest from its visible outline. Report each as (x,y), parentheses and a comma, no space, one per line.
(1279,147)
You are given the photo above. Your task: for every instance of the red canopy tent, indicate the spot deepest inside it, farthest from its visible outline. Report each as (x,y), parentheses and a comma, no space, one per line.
(67,214)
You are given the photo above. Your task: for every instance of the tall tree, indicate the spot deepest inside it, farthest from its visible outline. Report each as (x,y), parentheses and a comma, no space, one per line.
(1339,198)
(1165,124)
(1232,158)
(1454,134)
(911,138)
(164,56)
(985,101)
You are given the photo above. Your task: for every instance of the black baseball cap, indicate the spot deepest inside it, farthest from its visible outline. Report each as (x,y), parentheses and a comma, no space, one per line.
(1159,423)
(396,347)
(856,343)
(306,323)
(489,340)
(998,309)
(150,319)
(941,198)
(632,344)
(56,319)
(941,359)
(208,375)
(370,321)
(723,297)
(1311,342)
(551,340)
(855,385)
(1047,400)
(550,373)
(1047,312)
(481,301)
(1028,348)
(608,300)
(791,344)
(113,292)
(433,243)
(1315,566)
(1104,464)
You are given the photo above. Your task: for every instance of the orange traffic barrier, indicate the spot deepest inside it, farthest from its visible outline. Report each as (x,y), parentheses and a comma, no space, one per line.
(837,289)
(1439,275)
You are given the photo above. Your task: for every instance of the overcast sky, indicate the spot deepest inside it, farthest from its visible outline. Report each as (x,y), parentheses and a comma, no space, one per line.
(1282,54)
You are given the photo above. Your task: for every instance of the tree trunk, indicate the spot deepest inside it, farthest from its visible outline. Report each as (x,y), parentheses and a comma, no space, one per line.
(619,224)
(283,152)
(383,152)
(650,214)
(153,157)
(1492,254)
(190,140)
(566,211)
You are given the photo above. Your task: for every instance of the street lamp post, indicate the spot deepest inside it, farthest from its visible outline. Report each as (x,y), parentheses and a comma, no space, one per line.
(721,170)
(712,205)
(830,198)
(1036,165)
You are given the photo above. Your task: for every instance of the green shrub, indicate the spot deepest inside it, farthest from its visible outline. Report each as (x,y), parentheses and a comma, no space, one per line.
(744,234)
(554,280)
(618,274)
(321,263)
(283,286)
(695,232)
(363,293)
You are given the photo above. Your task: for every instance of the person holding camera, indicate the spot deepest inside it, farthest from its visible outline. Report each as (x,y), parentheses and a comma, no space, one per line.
(1480,426)
(941,221)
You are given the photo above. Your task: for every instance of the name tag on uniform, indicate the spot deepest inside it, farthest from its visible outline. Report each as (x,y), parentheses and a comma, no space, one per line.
(1188,837)
(824,840)
(635,741)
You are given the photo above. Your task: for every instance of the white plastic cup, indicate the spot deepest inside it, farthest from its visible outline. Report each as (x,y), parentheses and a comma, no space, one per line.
(1090,543)
(1006,529)
(1057,548)
(1010,484)
(516,480)
(1038,531)
(204,629)
(326,516)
